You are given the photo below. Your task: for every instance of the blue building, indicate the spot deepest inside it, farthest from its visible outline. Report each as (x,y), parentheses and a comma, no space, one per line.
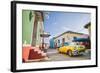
(52,43)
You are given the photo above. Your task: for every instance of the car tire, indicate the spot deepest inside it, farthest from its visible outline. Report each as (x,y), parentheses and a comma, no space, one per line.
(70,53)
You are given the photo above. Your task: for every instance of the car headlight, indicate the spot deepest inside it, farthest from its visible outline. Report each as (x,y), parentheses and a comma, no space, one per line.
(82,46)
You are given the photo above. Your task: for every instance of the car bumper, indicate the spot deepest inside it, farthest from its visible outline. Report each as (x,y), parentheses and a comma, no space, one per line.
(76,52)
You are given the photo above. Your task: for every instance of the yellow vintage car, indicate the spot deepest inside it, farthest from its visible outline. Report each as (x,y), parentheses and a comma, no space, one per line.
(72,49)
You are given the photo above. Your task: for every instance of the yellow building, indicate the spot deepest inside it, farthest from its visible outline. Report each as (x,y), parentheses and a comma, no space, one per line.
(68,36)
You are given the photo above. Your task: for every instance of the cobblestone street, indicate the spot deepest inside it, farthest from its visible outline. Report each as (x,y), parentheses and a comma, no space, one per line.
(55,56)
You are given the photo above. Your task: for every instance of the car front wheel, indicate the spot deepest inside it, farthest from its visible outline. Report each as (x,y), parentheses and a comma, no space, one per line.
(70,53)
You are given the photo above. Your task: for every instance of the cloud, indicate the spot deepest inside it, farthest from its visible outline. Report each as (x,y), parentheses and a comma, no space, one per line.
(55,23)
(64,28)
(60,31)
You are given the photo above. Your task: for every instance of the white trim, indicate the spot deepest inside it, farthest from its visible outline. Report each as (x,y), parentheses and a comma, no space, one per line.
(36,65)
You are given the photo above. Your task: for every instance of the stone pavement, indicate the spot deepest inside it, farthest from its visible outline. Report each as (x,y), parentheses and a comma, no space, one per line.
(52,51)
(55,56)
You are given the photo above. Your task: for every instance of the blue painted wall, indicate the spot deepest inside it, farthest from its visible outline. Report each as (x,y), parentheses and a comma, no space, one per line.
(52,44)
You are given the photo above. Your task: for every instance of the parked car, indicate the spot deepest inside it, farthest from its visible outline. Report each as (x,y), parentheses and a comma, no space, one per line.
(72,49)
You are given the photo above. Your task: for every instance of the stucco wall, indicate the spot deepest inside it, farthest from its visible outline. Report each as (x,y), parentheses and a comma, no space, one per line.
(68,37)
(39,31)
(89,30)
(27,27)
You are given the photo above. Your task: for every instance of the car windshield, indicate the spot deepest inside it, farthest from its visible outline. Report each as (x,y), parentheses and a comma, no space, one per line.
(73,44)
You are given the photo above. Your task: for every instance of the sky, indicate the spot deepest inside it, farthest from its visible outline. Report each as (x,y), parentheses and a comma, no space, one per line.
(56,23)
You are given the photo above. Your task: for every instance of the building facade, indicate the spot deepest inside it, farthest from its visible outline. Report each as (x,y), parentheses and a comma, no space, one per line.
(32,27)
(88,26)
(52,43)
(66,37)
